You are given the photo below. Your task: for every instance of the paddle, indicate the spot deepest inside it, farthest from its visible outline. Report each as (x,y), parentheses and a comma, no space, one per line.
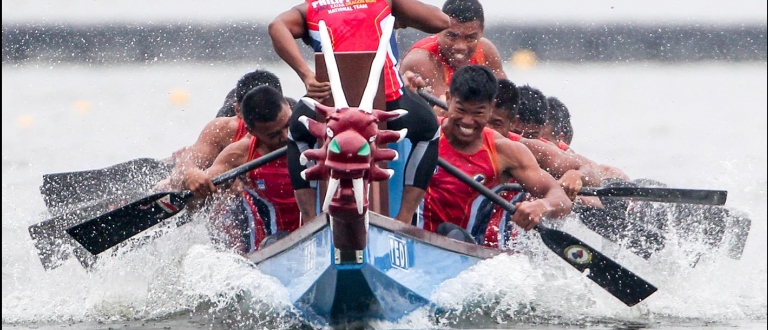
(614,278)
(431,99)
(661,195)
(53,244)
(63,190)
(88,260)
(109,229)
(653,194)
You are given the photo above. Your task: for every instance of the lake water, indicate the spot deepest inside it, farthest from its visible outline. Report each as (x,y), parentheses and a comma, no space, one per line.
(701,125)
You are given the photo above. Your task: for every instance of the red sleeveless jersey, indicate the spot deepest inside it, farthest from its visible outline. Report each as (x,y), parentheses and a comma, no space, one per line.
(356,26)
(447,198)
(241,131)
(270,187)
(430,44)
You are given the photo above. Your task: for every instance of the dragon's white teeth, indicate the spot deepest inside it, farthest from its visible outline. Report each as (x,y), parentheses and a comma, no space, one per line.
(333,185)
(357,185)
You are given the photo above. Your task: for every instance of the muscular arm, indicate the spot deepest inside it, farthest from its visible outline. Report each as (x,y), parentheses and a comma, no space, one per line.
(517,161)
(557,162)
(608,171)
(232,156)
(572,170)
(421,62)
(284,30)
(421,16)
(493,58)
(193,159)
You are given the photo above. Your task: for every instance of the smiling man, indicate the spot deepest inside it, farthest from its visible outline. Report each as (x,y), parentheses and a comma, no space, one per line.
(488,157)
(435,59)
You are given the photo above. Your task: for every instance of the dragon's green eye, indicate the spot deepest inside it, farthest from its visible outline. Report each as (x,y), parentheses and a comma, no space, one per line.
(365,150)
(334,147)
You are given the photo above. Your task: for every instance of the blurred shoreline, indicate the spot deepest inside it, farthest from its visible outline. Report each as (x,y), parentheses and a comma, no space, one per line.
(547,12)
(249,41)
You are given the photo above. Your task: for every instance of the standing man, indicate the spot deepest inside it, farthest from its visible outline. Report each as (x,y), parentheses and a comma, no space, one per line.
(435,59)
(357,27)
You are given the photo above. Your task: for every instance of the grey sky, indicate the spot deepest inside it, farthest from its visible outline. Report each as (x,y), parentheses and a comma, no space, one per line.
(509,11)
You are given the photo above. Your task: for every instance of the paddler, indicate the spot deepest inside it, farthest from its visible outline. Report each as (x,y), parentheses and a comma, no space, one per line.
(267,207)
(488,157)
(357,27)
(191,161)
(432,61)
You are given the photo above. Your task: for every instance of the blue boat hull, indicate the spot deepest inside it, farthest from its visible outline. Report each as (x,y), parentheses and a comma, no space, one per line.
(396,274)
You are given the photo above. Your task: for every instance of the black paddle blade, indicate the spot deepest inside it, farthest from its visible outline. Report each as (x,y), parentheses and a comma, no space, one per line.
(53,244)
(641,235)
(738,227)
(62,190)
(90,261)
(614,278)
(109,229)
(662,195)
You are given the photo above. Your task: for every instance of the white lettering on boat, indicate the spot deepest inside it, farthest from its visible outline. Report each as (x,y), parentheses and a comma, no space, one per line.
(398,253)
(309,256)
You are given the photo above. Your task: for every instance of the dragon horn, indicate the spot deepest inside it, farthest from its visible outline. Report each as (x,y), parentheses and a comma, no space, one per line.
(366,102)
(333,70)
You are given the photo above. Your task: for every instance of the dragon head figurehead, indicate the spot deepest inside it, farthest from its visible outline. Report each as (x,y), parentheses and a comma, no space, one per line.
(350,150)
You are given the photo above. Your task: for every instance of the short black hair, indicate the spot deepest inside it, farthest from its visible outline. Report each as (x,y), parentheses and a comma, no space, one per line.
(291,102)
(262,104)
(561,119)
(474,83)
(507,97)
(228,108)
(464,10)
(533,106)
(255,79)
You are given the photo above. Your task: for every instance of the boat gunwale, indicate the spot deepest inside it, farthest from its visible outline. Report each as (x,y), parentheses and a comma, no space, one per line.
(380,221)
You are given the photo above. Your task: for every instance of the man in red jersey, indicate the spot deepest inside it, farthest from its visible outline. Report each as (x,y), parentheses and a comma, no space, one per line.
(434,59)
(539,117)
(505,108)
(191,161)
(520,114)
(268,203)
(357,27)
(488,157)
